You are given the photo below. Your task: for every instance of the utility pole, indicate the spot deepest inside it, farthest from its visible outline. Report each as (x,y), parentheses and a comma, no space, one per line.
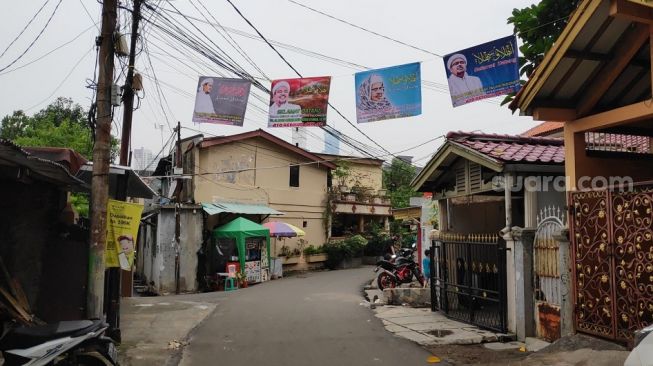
(177,208)
(101,160)
(115,274)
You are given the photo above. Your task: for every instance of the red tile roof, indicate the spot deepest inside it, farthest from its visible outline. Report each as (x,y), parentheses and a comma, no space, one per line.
(513,149)
(543,129)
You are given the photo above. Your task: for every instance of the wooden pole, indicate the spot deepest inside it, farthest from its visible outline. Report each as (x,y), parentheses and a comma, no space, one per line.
(101,160)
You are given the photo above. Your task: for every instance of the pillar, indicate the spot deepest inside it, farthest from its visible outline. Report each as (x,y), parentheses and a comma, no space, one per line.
(511,313)
(524,303)
(361,224)
(530,202)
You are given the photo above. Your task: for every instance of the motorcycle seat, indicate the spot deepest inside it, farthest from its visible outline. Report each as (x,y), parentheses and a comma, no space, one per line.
(25,337)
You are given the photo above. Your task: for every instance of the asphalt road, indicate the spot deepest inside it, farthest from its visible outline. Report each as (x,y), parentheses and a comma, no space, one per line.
(313,319)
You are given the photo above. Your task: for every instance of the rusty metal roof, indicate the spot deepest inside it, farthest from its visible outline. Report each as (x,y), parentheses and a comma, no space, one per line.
(12,155)
(600,61)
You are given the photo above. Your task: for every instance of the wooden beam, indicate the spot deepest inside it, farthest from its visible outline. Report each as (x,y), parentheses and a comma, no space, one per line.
(601,57)
(635,11)
(615,117)
(554,114)
(627,48)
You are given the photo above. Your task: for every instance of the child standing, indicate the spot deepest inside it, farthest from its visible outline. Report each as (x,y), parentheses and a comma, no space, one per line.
(426,267)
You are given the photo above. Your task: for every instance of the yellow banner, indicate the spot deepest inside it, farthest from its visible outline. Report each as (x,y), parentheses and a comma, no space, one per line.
(123,220)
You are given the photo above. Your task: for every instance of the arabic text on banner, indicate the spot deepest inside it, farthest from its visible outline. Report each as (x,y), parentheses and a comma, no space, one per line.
(221,100)
(484,71)
(123,220)
(388,93)
(299,102)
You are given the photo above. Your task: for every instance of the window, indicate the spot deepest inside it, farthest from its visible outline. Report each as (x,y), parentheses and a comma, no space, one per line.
(294,175)
(304,223)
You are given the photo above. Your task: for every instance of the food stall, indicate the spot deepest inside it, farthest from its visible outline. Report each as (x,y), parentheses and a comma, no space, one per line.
(246,242)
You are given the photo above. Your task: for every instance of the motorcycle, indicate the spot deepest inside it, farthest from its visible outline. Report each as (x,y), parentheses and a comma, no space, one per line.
(64,343)
(399,269)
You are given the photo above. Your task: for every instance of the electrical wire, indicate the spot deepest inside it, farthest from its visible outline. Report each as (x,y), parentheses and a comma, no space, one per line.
(25,28)
(35,39)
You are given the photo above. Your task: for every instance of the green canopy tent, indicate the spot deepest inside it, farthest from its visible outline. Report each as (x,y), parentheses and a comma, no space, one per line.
(241,229)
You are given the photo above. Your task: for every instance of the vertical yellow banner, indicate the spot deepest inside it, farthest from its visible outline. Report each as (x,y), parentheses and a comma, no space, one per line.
(123,220)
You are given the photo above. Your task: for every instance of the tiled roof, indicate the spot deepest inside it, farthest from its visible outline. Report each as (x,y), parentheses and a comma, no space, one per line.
(513,149)
(544,129)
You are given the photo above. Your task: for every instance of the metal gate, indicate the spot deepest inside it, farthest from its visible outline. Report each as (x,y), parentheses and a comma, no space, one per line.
(468,279)
(613,261)
(546,272)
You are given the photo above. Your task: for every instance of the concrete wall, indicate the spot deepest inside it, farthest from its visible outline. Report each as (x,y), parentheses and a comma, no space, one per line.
(159,251)
(365,175)
(267,184)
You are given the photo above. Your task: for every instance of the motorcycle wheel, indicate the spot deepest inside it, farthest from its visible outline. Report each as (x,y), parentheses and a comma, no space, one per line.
(385,280)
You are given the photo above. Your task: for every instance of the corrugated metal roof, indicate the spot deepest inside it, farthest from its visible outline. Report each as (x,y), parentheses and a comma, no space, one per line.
(239,208)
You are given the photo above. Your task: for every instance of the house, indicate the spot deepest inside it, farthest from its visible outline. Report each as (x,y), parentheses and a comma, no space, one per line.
(596,79)
(484,185)
(254,175)
(356,195)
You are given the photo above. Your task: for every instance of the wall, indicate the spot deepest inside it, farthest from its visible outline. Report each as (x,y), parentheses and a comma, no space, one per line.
(267,184)
(365,175)
(488,217)
(159,252)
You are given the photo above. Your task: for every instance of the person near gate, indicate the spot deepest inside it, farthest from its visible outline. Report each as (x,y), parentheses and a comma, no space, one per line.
(426,267)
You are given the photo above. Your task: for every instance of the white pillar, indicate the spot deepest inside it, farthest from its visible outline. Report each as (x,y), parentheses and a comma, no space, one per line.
(530,202)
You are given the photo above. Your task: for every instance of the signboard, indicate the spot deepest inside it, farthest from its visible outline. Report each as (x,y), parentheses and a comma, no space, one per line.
(299,102)
(253,271)
(221,100)
(483,71)
(393,92)
(123,220)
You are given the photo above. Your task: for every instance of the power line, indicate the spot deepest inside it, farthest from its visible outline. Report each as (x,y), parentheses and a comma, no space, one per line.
(25,28)
(365,29)
(35,39)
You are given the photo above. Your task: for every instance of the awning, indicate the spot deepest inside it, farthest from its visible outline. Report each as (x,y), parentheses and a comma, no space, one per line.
(239,208)
(135,185)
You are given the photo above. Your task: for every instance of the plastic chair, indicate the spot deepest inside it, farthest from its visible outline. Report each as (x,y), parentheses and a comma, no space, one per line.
(230,284)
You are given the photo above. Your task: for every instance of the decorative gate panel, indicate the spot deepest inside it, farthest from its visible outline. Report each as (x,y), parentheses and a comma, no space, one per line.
(547,282)
(633,237)
(613,257)
(592,264)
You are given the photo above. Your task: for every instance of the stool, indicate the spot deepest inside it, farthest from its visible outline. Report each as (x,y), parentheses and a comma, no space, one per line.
(229,282)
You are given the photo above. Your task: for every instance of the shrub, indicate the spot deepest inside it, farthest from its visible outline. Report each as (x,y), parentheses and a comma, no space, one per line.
(284,251)
(312,250)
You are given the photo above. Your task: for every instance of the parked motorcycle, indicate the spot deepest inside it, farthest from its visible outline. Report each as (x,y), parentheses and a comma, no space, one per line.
(64,343)
(400,269)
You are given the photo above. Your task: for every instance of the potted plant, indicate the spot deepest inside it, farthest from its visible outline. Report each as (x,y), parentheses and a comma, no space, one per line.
(293,257)
(345,253)
(314,254)
(340,173)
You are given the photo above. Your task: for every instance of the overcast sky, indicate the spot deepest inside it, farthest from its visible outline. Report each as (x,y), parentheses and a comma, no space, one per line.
(437,26)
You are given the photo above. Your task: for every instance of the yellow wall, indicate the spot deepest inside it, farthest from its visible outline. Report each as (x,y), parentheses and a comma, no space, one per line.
(365,175)
(267,184)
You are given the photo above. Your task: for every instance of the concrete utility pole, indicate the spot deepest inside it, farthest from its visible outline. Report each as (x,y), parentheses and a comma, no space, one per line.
(177,213)
(101,160)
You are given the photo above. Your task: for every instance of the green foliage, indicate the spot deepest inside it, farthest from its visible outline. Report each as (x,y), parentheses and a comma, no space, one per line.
(79,201)
(284,251)
(396,179)
(538,27)
(378,241)
(61,124)
(341,172)
(338,251)
(312,250)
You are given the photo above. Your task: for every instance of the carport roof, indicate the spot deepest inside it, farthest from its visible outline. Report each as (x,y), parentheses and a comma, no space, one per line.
(600,61)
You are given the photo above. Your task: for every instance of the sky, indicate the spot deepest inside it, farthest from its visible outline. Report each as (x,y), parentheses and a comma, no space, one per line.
(61,62)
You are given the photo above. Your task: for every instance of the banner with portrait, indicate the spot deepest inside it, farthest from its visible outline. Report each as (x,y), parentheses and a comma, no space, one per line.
(123,220)
(392,92)
(299,102)
(221,100)
(484,71)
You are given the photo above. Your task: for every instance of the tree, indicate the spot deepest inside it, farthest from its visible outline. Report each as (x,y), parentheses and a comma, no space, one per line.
(538,26)
(396,179)
(63,123)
